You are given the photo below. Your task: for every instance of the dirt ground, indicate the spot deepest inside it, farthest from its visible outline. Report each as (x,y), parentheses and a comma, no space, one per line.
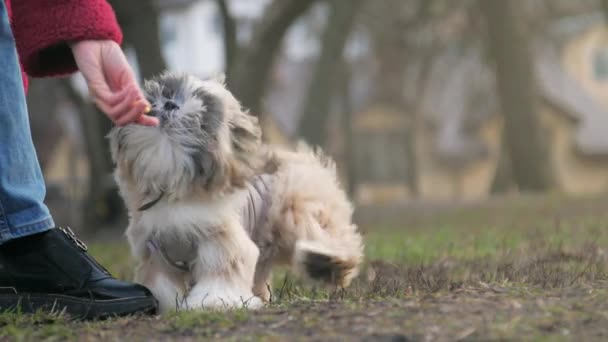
(525,269)
(467,314)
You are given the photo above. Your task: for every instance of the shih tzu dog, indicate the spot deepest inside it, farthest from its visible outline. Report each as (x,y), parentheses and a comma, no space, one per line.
(212,208)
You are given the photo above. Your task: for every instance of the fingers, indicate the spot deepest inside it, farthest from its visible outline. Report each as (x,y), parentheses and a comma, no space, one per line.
(117,110)
(108,98)
(126,106)
(134,111)
(111,81)
(147,121)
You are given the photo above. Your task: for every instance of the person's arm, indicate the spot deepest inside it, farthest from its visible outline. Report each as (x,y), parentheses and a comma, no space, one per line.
(58,37)
(44,29)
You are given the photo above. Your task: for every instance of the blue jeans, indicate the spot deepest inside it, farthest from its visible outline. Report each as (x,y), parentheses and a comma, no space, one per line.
(22,188)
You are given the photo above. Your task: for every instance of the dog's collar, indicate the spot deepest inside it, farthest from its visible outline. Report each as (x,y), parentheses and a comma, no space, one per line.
(150,204)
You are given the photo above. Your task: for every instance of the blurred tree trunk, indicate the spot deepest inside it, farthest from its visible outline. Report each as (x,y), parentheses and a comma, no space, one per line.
(396,47)
(103,205)
(317,104)
(503,179)
(510,50)
(423,78)
(230,38)
(252,67)
(139,22)
(350,160)
(391,69)
(604,5)
(42,101)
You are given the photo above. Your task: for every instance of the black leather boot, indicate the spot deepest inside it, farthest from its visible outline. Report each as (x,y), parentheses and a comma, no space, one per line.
(52,271)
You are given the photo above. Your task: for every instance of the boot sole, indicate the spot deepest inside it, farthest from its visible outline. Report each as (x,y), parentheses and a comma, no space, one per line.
(80,308)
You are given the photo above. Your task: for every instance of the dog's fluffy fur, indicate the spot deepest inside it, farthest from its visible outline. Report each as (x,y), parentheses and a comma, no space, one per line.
(200,162)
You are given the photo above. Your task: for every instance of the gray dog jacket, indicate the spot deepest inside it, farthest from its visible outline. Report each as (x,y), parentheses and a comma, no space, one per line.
(180,253)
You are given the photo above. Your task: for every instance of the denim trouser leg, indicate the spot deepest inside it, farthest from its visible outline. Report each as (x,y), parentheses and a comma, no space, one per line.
(22,189)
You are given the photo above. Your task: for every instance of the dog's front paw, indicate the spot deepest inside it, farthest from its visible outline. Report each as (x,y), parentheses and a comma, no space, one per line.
(218,298)
(221,302)
(254,303)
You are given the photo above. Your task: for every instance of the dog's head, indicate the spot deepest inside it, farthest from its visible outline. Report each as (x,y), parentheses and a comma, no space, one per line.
(205,141)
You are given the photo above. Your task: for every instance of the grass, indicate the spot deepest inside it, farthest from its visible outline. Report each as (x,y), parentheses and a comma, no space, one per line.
(530,268)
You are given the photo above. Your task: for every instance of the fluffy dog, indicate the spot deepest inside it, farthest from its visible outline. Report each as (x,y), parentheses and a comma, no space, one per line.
(212,208)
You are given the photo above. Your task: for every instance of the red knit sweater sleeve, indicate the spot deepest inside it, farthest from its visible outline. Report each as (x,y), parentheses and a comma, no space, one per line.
(43,30)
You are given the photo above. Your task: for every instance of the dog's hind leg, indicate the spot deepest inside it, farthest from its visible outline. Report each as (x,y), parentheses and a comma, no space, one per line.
(262,279)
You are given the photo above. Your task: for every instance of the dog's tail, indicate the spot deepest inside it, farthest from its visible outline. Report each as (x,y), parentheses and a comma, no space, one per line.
(325,264)
(315,217)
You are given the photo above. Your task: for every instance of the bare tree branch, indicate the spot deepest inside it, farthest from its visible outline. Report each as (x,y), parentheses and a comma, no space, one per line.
(251,69)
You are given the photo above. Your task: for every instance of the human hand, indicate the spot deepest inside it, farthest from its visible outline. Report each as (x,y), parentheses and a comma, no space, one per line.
(111,82)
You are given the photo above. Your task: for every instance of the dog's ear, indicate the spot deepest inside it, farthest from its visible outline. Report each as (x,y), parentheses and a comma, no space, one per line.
(246,143)
(245,132)
(220,78)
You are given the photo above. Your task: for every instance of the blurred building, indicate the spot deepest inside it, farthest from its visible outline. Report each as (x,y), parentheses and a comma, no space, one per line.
(457,131)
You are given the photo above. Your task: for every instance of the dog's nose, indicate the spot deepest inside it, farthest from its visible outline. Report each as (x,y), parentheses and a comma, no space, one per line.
(170,105)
